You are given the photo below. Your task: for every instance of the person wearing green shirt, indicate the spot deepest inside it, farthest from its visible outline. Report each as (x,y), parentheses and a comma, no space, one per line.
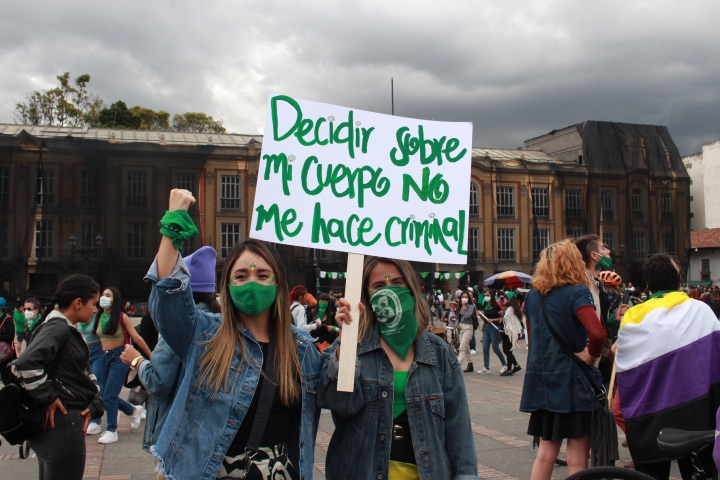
(33,316)
(20,327)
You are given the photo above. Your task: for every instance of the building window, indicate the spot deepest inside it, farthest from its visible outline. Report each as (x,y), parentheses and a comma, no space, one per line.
(4,237)
(637,205)
(190,245)
(639,245)
(474,203)
(506,244)
(136,239)
(635,159)
(505,198)
(229,237)
(87,190)
(574,232)
(4,186)
(136,193)
(230,192)
(541,240)
(45,187)
(606,201)
(666,210)
(87,237)
(540,202)
(573,203)
(473,244)
(609,241)
(668,242)
(705,270)
(186,181)
(279,247)
(43,238)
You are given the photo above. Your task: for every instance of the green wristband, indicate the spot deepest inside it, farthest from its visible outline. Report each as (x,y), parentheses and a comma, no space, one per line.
(178,226)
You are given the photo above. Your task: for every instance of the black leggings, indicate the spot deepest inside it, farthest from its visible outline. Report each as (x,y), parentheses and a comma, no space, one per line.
(61,450)
(511,361)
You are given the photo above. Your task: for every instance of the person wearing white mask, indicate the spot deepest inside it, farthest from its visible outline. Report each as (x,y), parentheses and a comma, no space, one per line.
(32,315)
(467,316)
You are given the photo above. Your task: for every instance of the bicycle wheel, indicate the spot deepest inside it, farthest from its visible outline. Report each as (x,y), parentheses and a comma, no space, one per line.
(24,450)
(611,473)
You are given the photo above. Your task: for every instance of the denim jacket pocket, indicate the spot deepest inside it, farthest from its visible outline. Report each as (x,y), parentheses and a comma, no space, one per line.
(371,395)
(437,405)
(311,384)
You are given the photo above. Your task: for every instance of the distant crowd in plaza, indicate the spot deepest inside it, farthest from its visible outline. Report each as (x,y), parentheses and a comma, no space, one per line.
(230,377)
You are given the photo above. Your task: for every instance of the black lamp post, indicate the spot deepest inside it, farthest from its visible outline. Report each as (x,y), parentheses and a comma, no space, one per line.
(86,252)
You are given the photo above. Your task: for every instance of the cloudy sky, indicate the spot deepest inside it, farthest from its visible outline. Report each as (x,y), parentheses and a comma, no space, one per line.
(516,69)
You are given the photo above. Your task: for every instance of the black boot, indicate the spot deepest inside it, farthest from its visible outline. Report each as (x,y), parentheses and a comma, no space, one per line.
(469,368)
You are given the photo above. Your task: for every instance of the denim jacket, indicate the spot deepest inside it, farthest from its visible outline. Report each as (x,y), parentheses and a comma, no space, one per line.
(161,378)
(202,423)
(437,410)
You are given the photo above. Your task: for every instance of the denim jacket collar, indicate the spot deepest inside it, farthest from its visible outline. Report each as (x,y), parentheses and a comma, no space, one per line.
(424,352)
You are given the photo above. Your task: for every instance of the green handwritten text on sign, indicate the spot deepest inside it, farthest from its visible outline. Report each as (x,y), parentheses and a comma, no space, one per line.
(341,179)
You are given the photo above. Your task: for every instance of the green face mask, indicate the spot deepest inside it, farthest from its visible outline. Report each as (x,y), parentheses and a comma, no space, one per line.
(322,308)
(604,263)
(253,298)
(394,308)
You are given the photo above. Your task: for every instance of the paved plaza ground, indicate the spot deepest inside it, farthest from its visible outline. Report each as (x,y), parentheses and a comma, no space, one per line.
(504,451)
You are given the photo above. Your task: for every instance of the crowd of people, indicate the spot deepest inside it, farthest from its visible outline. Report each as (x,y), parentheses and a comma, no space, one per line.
(234,375)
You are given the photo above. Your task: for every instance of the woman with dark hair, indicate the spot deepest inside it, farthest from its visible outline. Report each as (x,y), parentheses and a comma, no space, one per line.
(115,329)
(512,328)
(466,318)
(70,397)
(408,414)
(326,334)
(232,359)
(491,331)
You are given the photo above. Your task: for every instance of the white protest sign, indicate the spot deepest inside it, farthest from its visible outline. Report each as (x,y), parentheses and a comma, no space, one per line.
(341,179)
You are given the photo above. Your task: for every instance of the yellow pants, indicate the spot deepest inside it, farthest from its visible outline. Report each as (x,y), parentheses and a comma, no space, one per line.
(402,471)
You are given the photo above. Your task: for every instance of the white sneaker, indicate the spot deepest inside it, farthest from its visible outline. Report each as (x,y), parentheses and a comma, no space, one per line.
(108,437)
(136,417)
(472,352)
(503,369)
(94,429)
(484,370)
(144,415)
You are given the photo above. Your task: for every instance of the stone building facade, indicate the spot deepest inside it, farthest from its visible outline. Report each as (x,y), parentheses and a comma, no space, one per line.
(705,204)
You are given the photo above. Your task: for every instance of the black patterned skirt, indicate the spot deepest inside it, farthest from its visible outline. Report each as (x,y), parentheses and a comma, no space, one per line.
(270,463)
(552,426)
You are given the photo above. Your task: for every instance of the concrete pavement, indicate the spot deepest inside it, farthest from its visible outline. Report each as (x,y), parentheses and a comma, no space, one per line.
(504,451)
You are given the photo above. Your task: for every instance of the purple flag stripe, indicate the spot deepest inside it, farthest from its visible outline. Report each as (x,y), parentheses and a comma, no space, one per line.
(673,379)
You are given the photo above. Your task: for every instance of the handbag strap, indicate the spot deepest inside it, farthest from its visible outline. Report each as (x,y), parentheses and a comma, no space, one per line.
(267,394)
(126,335)
(600,393)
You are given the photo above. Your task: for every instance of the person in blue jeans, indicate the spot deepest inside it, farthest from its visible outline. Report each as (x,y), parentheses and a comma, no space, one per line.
(491,332)
(96,362)
(112,326)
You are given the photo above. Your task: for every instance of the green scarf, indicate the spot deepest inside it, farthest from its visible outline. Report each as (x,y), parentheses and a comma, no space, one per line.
(661,293)
(394,308)
(104,320)
(322,308)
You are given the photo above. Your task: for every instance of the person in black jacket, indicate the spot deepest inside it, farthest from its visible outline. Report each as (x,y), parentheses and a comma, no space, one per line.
(71,398)
(7,335)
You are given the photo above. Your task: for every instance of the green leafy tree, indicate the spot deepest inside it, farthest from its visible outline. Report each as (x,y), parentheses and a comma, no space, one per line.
(150,119)
(119,116)
(197,122)
(65,105)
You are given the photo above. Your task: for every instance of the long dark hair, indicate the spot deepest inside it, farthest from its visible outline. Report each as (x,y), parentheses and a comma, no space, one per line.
(70,288)
(208,298)
(331,309)
(515,305)
(116,311)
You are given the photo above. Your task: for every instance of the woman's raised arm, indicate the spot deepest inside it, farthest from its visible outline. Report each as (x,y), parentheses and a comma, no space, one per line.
(167,254)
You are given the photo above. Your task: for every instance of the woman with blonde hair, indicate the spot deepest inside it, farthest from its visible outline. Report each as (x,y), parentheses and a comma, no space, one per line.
(246,404)
(408,415)
(557,393)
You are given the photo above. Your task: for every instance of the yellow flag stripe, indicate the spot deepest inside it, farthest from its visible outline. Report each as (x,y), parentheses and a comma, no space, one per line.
(637,313)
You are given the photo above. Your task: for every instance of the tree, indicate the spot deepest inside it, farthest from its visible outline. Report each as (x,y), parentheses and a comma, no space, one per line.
(118,116)
(62,106)
(150,119)
(197,122)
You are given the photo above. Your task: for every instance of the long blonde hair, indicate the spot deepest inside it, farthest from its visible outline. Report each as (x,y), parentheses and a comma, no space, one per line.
(422,314)
(217,358)
(560,264)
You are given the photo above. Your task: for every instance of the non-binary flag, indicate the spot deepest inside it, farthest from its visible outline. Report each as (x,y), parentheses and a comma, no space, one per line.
(668,370)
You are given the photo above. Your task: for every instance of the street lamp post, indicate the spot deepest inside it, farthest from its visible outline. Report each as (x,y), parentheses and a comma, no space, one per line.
(86,252)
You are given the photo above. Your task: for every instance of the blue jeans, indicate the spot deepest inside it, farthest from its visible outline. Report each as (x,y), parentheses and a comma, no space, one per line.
(113,378)
(491,335)
(97,363)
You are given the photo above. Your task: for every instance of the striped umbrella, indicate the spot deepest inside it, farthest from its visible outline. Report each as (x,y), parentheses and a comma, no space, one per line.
(509,280)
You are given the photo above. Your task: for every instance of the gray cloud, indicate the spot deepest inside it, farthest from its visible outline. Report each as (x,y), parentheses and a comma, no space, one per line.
(516,69)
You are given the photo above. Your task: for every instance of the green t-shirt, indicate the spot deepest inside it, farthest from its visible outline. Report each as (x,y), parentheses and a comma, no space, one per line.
(399,403)
(20,321)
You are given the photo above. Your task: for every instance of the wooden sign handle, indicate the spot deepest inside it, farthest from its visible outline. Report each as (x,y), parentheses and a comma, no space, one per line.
(348,352)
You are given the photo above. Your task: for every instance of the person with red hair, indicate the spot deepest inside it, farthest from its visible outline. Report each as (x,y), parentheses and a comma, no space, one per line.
(298,309)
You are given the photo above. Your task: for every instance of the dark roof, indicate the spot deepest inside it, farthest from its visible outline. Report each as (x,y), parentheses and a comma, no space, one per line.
(706,238)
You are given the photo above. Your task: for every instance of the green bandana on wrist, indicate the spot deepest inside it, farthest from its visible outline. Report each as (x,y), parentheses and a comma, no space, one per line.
(178,226)
(253,298)
(394,308)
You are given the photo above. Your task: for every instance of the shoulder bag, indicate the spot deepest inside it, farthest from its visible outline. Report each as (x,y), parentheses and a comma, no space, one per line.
(604,436)
(20,417)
